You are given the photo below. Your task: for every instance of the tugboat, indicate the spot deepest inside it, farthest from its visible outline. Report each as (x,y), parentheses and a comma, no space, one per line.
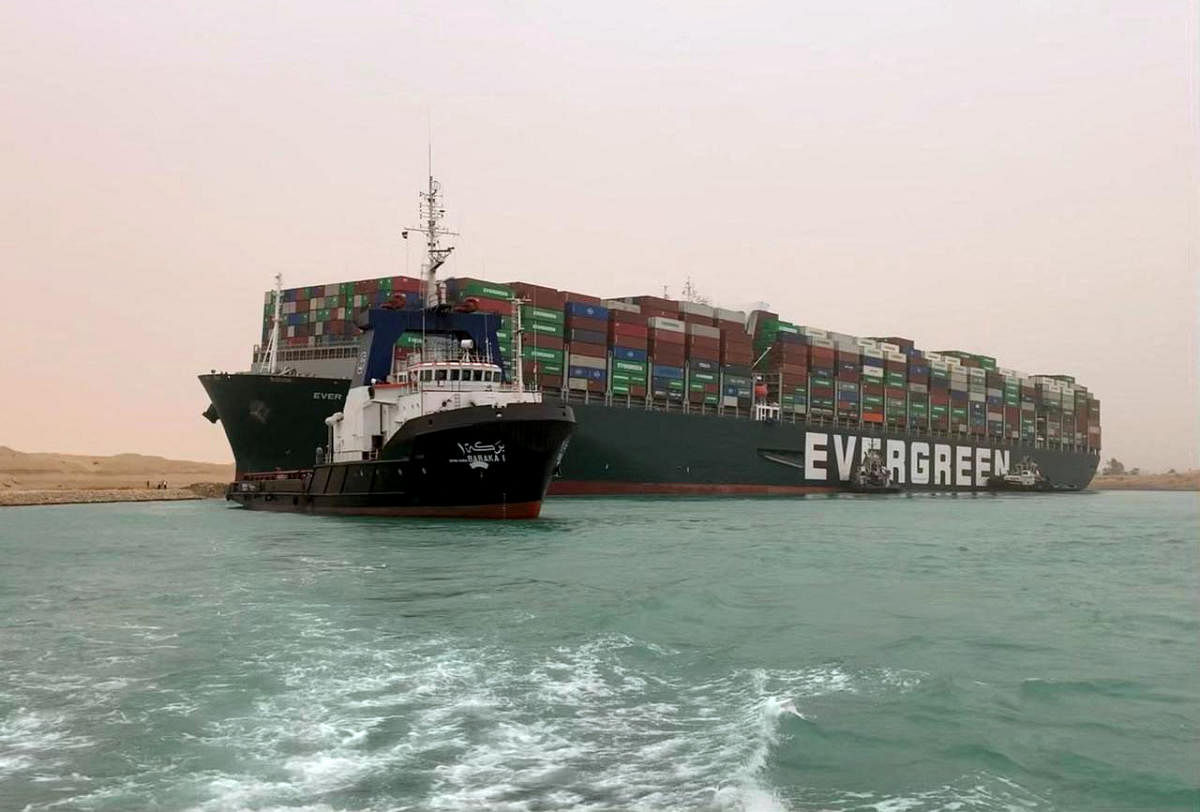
(445,437)
(1025,477)
(872,476)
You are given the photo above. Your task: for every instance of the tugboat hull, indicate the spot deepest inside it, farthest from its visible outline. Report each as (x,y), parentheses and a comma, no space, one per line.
(478,462)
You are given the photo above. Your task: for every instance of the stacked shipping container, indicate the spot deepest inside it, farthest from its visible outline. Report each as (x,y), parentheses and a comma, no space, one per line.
(654,349)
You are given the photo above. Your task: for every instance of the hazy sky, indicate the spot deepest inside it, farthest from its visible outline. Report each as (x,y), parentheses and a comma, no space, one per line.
(1018,179)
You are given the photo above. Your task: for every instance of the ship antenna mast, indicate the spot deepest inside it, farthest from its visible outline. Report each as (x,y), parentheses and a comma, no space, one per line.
(430,214)
(270,363)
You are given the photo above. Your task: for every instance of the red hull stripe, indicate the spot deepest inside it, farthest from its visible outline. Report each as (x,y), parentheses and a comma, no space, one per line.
(570,487)
(512,510)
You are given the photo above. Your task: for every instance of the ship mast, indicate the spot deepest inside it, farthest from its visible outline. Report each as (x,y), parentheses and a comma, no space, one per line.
(430,214)
(270,363)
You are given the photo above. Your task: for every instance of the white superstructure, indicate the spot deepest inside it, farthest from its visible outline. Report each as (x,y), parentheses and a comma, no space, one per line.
(419,388)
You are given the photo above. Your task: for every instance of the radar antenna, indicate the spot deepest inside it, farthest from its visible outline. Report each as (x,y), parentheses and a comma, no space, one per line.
(430,213)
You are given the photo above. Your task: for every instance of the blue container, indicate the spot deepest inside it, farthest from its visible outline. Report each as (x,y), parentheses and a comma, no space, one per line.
(591,373)
(667,373)
(848,397)
(872,362)
(918,370)
(995,401)
(588,311)
(629,354)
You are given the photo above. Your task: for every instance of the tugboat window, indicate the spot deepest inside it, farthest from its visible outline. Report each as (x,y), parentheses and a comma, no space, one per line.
(454,374)
(440,375)
(477,375)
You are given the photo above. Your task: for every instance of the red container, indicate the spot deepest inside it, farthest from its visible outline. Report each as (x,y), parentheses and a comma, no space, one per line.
(625,317)
(539,295)
(820,356)
(482,304)
(406,284)
(594,350)
(872,389)
(545,342)
(895,366)
(872,417)
(891,392)
(669,359)
(584,323)
(666,312)
(629,331)
(666,337)
(730,328)
(655,301)
(583,298)
(692,318)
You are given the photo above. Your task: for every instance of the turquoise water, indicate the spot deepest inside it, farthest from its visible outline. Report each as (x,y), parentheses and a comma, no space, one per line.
(1021,652)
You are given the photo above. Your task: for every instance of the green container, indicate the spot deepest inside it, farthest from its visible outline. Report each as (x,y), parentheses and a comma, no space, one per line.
(895,379)
(489,290)
(696,386)
(530,313)
(540,354)
(322,315)
(675,386)
(938,410)
(410,341)
(704,377)
(958,414)
(549,368)
(711,400)
(633,367)
(544,328)
(620,387)
(820,380)
(872,400)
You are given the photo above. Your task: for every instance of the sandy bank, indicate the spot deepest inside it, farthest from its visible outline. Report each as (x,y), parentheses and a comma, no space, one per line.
(75,496)
(1187,481)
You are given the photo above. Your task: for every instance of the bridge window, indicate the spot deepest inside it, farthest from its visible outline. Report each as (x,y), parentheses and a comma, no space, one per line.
(439,374)
(454,374)
(477,375)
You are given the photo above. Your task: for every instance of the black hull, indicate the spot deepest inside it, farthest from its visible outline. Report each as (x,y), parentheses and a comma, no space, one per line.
(273,421)
(471,463)
(619,450)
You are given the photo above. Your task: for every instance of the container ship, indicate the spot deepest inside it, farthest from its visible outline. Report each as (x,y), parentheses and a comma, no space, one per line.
(676,396)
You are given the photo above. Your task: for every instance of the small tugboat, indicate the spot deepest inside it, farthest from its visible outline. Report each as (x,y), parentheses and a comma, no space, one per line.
(1025,477)
(872,476)
(447,438)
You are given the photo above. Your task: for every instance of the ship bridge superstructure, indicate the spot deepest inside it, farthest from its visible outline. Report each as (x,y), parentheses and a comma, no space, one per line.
(417,388)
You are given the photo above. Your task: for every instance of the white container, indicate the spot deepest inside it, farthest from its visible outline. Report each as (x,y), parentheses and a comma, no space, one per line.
(872,353)
(697,309)
(867,342)
(940,366)
(586,361)
(817,341)
(731,315)
(624,307)
(729,400)
(289,308)
(887,346)
(952,361)
(663,323)
(331,290)
(895,355)
(577,383)
(976,397)
(872,372)
(813,331)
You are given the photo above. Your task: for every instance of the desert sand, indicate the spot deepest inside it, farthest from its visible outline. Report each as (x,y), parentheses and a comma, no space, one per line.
(1186,481)
(46,479)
